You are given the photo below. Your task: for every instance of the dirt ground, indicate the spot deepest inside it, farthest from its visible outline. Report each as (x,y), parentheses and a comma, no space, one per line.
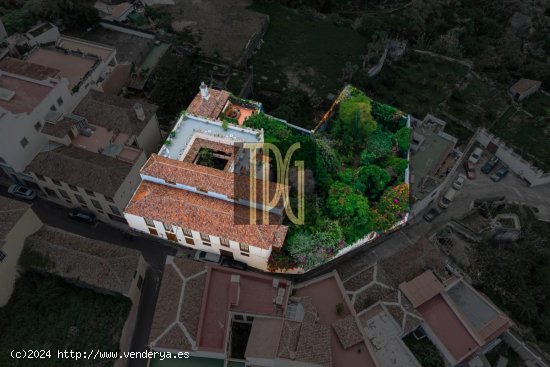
(223,27)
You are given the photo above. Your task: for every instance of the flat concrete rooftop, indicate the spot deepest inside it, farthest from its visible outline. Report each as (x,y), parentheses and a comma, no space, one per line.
(478,312)
(426,161)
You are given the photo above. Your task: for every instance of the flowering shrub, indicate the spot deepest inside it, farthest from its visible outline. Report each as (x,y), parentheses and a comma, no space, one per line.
(394,203)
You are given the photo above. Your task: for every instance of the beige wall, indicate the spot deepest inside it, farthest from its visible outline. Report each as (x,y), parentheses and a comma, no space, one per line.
(27,225)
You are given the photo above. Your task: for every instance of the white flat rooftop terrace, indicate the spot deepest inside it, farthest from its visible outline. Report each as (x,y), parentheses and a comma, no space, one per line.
(188,125)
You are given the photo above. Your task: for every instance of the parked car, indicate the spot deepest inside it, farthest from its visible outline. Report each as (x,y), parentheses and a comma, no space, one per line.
(499,175)
(489,165)
(475,156)
(82,215)
(431,214)
(459,182)
(470,170)
(22,192)
(232,263)
(448,198)
(207,257)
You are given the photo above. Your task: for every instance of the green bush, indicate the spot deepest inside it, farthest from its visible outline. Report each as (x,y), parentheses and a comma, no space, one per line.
(402,137)
(378,146)
(355,121)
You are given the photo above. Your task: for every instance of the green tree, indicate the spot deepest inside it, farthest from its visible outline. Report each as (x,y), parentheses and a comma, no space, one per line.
(351,209)
(396,166)
(355,122)
(375,180)
(402,137)
(378,145)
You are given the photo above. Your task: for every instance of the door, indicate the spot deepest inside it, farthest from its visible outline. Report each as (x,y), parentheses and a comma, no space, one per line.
(226,253)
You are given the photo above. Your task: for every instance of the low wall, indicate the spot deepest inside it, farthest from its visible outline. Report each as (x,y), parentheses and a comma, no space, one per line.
(533,175)
(126,29)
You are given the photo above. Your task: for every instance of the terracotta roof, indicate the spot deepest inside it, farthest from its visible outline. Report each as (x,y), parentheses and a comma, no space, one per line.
(181,289)
(203,214)
(58,129)
(28,69)
(523,85)
(10,213)
(204,178)
(82,168)
(210,108)
(96,263)
(120,9)
(347,331)
(314,344)
(422,288)
(114,112)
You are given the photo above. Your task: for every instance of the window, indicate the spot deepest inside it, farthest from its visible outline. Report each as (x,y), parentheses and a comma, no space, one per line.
(24,142)
(205,237)
(64,194)
(188,232)
(55,182)
(244,247)
(37,126)
(80,199)
(224,242)
(60,101)
(51,193)
(40,177)
(52,108)
(245,254)
(73,187)
(189,241)
(2,255)
(140,282)
(110,200)
(91,193)
(96,204)
(168,227)
(114,210)
(238,317)
(149,222)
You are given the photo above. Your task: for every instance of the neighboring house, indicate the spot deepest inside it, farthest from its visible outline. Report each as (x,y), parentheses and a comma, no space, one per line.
(460,321)
(17,221)
(207,205)
(101,266)
(43,33)
(524,88)
(222,316)
(28,93)
(433,158)
(94,155)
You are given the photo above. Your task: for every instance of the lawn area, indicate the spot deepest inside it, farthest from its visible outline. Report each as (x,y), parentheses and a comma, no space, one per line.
(526,134)
(416,83)
(45,312)
(304,52)
(424,350)
(504,350)
(478,104)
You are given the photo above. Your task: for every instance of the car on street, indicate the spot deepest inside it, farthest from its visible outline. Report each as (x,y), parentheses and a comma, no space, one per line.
(207,257)
(470,170)
(82,215)
(448,198)
(459,182)
(475,156)
(22,192)
(499,175)
(232,263)
(431,214)
(490,165)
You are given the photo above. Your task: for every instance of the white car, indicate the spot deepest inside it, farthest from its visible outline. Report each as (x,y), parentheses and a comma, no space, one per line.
(22,192)
(475,156)
(459,182)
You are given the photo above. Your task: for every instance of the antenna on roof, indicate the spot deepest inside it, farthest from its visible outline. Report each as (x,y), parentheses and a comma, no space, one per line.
(204,91)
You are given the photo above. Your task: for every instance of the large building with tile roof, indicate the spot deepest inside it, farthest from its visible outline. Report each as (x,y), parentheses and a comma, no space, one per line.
(197,191)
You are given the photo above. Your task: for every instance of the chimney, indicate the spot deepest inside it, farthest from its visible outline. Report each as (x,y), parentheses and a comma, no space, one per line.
(204,91)
(139,111)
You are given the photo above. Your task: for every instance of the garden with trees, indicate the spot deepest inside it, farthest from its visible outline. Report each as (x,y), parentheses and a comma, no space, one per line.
(357,166)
